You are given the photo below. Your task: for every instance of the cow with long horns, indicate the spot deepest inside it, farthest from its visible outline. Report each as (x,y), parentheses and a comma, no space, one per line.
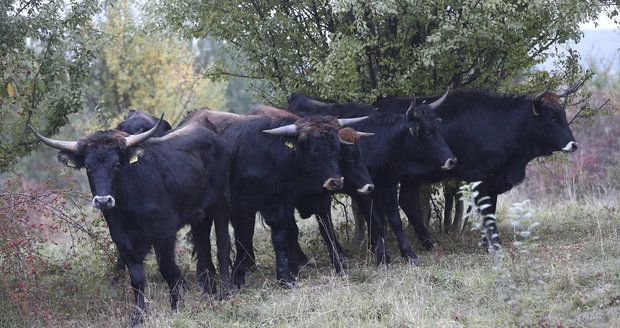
(356,179)
(147,188)
(135,122)
(494,137)
(400,140)
(275,161)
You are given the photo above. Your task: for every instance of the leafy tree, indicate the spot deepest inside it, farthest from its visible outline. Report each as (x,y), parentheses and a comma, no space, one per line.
(360,50)
(46,48)
(149,71)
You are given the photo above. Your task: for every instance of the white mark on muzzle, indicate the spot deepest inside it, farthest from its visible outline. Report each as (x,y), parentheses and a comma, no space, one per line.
(449,165)
(104,201)
(332,184)
(366,189)
(570,147)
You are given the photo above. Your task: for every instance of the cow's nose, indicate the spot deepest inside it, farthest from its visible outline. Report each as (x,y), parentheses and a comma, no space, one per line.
(334,183)
(366,189)
(450,164)
(103,202)
(570,147)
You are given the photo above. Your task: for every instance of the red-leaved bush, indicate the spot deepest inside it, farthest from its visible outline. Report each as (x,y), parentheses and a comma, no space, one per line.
(31,218)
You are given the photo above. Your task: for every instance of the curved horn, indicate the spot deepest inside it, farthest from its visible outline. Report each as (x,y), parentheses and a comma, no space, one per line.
(287,130)
(438,102)
(343,122)
(539,96)
(361,134)
(70,146)
(142,137)
(345,142)
(411,106)
(573,89)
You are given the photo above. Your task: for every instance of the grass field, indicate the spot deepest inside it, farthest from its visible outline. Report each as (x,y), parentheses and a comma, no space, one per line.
(568,277)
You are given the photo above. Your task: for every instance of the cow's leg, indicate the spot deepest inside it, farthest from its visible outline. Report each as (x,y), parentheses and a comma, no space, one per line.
(389,203)
(331,240)
(448,197)
(133,256)
(376,231)
(243,224)
(409,198)
(164,249)
(300,257)
(220,216)
(295,252)
(205,270)
(279,241)
(359,230)
(280,222)
(459,220)
(490,238)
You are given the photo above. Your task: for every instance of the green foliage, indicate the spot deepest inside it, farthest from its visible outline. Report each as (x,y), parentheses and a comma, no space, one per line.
(156,73)
(359,50)
(45,52)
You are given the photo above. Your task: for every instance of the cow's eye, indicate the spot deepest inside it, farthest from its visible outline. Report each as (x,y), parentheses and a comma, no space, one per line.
(428,134)
(117,166)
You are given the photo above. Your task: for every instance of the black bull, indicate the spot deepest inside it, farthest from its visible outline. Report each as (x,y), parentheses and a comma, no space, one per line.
(147,188)
(494,137)
(401,141)
(275,160)
(356,181)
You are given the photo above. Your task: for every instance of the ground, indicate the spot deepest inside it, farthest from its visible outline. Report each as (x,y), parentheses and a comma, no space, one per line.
(567,276)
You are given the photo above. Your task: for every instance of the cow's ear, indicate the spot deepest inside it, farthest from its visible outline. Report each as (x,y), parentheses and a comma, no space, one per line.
(70,159)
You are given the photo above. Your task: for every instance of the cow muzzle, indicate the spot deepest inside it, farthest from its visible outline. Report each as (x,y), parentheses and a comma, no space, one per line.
(366,189)
(103,202)
(570,147)
(450,164)
(332,184)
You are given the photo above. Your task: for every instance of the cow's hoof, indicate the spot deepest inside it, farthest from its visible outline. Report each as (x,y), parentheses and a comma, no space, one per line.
(339,266)
(383,261)
(286,281)
(415,261)
(137,318)
(239,279)
(224,294)
(286,284)
(302,259)
(428,244)
(294,270)
(495,246)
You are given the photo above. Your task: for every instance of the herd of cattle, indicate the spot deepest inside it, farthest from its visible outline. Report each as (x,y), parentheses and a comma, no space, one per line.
(149,180)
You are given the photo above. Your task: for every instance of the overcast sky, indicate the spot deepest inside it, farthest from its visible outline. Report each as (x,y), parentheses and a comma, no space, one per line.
(604,23)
